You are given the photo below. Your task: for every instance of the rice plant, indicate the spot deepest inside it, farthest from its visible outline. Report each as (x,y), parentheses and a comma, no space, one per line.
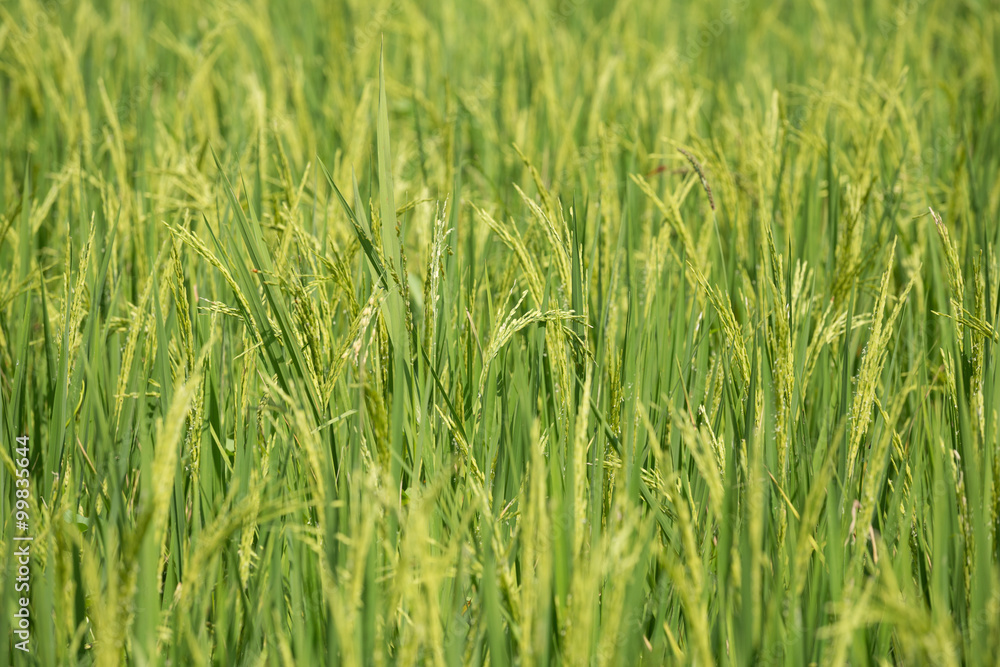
(507,333)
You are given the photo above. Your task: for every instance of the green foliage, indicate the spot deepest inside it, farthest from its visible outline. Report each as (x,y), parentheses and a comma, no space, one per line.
(654,333)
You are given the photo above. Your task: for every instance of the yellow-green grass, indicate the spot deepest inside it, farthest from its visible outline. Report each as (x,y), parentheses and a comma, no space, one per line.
(502,332)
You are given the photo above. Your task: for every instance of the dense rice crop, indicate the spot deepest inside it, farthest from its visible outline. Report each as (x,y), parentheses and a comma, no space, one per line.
(500,332)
